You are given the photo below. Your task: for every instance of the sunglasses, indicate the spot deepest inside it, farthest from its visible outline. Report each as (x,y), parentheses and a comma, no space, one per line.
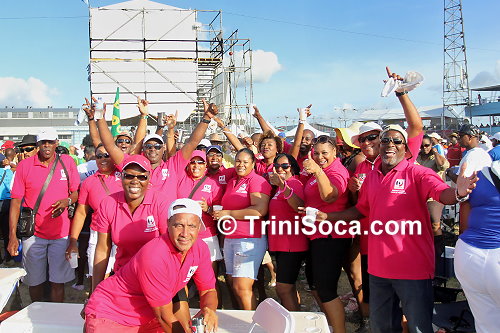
(128,141)
(156,146)
(425,145)
(26,149)
(396,141)
(214,154)
(197,162)
(284,166)
(99,156)
(325,139)
(128,176)
(370,137)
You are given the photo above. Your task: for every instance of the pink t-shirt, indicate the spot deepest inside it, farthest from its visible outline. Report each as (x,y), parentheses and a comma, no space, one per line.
(28,182)
(210,190)
(414,144)
(150,279)
(130,232)
(280,210)
(262,169)
(237,196)
(222,176)
(92,192)
(338,176)
(400,195)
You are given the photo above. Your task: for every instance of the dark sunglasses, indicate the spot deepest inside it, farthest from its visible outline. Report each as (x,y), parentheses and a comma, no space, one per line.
(284,166)
(123,141)
(156,146)
(425,145)
(386,140)
(197,162)
(99,156)
(128,176)
(370,137)
(26,149)
(325,139)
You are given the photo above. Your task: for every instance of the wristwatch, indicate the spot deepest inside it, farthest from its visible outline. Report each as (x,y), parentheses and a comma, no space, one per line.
(70,201)
(206,121)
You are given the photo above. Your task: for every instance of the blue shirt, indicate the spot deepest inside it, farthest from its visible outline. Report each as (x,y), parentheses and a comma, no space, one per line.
(495,153)
(483,229)
(5,185)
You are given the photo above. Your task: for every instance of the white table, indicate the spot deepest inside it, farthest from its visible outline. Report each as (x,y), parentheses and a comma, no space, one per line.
(9,279)
(41,317)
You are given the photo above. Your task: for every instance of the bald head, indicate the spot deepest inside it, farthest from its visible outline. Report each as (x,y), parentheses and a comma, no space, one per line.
(306,143)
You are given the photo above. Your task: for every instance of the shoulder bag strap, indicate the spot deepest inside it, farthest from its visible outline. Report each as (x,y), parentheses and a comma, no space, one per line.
(197,187)
(103,185)
(3,176)
(495,179)
(45,185)
(67,174)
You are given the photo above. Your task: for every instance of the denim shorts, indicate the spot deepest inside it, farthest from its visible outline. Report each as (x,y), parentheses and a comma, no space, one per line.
(243,256)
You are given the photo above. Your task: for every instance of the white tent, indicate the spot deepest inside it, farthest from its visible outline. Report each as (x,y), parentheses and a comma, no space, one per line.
(396,114)
(306,126)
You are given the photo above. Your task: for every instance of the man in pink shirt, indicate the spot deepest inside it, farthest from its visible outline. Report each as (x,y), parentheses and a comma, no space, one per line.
(401,264)
(52,223)
(139,296)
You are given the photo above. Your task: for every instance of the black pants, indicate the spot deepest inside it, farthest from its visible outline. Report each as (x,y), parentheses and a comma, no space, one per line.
(4,224)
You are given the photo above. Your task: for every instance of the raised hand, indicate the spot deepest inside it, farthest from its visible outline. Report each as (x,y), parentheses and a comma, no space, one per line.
(256,113)
(210,110)
(310,166)
(393,75)
(171,120)
(142,105)
(89,108)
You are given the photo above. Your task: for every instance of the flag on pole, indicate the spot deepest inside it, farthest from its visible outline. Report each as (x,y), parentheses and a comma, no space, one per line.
(115,121)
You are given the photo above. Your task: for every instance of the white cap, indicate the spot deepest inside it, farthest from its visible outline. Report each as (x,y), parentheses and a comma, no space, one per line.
(205,142)
(153,136)
(496,136)
(435,136)
(49,134)
(365,128)
(186,205)
(395,127)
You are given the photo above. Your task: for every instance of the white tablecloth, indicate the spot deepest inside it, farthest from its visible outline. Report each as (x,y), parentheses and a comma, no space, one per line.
(43,317)
(9,277)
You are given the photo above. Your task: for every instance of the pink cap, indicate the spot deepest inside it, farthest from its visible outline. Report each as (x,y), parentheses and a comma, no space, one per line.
(199,153)
(139,160)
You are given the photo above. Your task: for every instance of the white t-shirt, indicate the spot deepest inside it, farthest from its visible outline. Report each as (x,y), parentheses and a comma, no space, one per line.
(476,158)
(87,169)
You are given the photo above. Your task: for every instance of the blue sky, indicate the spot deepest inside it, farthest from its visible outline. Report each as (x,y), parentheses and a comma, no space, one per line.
(332,53)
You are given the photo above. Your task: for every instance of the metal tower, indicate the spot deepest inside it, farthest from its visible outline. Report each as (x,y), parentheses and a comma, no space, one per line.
(456,93)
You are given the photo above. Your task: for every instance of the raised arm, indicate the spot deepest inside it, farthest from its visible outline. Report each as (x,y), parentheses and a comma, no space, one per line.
(108,141)
(142,126)
(262,122)
(230,136)
(90,112)
(170,122)
(300,132)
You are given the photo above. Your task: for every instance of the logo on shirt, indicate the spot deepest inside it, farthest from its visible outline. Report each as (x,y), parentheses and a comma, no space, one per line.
(150,224)
(222,179)
(242,189)
(118,176)
(63,175)
(164,174)
(207,188)
(313,182)
(399,186)
(190,273)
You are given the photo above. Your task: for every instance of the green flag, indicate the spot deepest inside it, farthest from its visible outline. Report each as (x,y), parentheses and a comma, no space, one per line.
(115,121)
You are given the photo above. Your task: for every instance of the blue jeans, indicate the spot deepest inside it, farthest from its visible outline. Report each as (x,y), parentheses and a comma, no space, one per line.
(387,296)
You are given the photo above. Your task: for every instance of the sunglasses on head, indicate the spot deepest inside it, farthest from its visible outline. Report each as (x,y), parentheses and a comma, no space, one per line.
(128,176)
(26,149)
(325,139)
(370,137)
(156,146)
(214,154)
(197,162)
(396,141)
(99,156)
(426,145)
(123,141)
(284,166)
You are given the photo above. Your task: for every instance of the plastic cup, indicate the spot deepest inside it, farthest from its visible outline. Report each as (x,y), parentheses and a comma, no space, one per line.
(311,212)
(73,260)
(251,109)
(302,113)
(217,207)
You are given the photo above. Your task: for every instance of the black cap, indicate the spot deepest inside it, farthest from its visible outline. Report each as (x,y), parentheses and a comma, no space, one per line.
(469,129)
(28,140)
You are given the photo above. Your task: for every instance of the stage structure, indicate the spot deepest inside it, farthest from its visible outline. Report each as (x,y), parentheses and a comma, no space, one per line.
(172,57)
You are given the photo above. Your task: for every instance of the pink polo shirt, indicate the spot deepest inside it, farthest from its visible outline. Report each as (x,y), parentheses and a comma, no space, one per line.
(237,196)
(28,182)
(262,169)
(92,192)
(338,176)
(414,144)
(401,195)
(222,176)
(280,210)
(130,232)
(210,190)
(150,279)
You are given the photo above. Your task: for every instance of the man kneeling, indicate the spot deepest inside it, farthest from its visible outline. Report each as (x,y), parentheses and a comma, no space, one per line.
(139,296)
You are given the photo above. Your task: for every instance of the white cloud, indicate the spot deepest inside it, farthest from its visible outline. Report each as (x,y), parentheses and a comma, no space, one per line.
(21,93)
(483,79)
(264,64)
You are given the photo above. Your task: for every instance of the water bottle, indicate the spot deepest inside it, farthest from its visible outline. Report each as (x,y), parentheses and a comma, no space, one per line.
(19,257)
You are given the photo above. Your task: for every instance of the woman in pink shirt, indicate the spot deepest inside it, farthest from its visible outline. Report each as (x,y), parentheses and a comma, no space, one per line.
(106,181)
(290,248)
(246,195)
(326,190)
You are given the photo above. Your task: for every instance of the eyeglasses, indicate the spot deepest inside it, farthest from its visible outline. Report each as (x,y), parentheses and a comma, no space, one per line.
(26,149)
(214,154)
(370,137)
(156,146)
(128,141)
(386,140)
(99,156)
(141,178)
(427,145)
(284,166)
(197,162)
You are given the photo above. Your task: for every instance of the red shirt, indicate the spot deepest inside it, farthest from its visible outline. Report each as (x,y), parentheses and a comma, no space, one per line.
(130,232)
(338,176)
(92,192)
(401,195)
(28,182)
(455,154)
(280,210)
(210,190)
(150,279)
(237,196)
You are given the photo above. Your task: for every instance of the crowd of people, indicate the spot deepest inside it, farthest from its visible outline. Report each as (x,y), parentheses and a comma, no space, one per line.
(153,214)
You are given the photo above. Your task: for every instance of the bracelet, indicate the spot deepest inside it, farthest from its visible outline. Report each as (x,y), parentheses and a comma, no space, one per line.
(399,94)
(206,121)
(461,199)
(91,118)
(290,195)
(302,121)
(144,117)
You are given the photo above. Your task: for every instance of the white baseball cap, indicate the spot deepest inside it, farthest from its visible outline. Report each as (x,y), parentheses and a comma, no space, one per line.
(365,128)
(205,142)
(186,205)
(49,134)
(496,136)
(153,136)
(435,136)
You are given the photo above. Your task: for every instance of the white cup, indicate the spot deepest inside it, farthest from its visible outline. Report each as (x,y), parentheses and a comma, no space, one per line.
(73,260)
(251,109)
(302,113)
(311,212)
(217,207)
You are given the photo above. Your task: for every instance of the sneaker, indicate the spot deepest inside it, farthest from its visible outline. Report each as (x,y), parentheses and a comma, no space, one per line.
(78,287)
